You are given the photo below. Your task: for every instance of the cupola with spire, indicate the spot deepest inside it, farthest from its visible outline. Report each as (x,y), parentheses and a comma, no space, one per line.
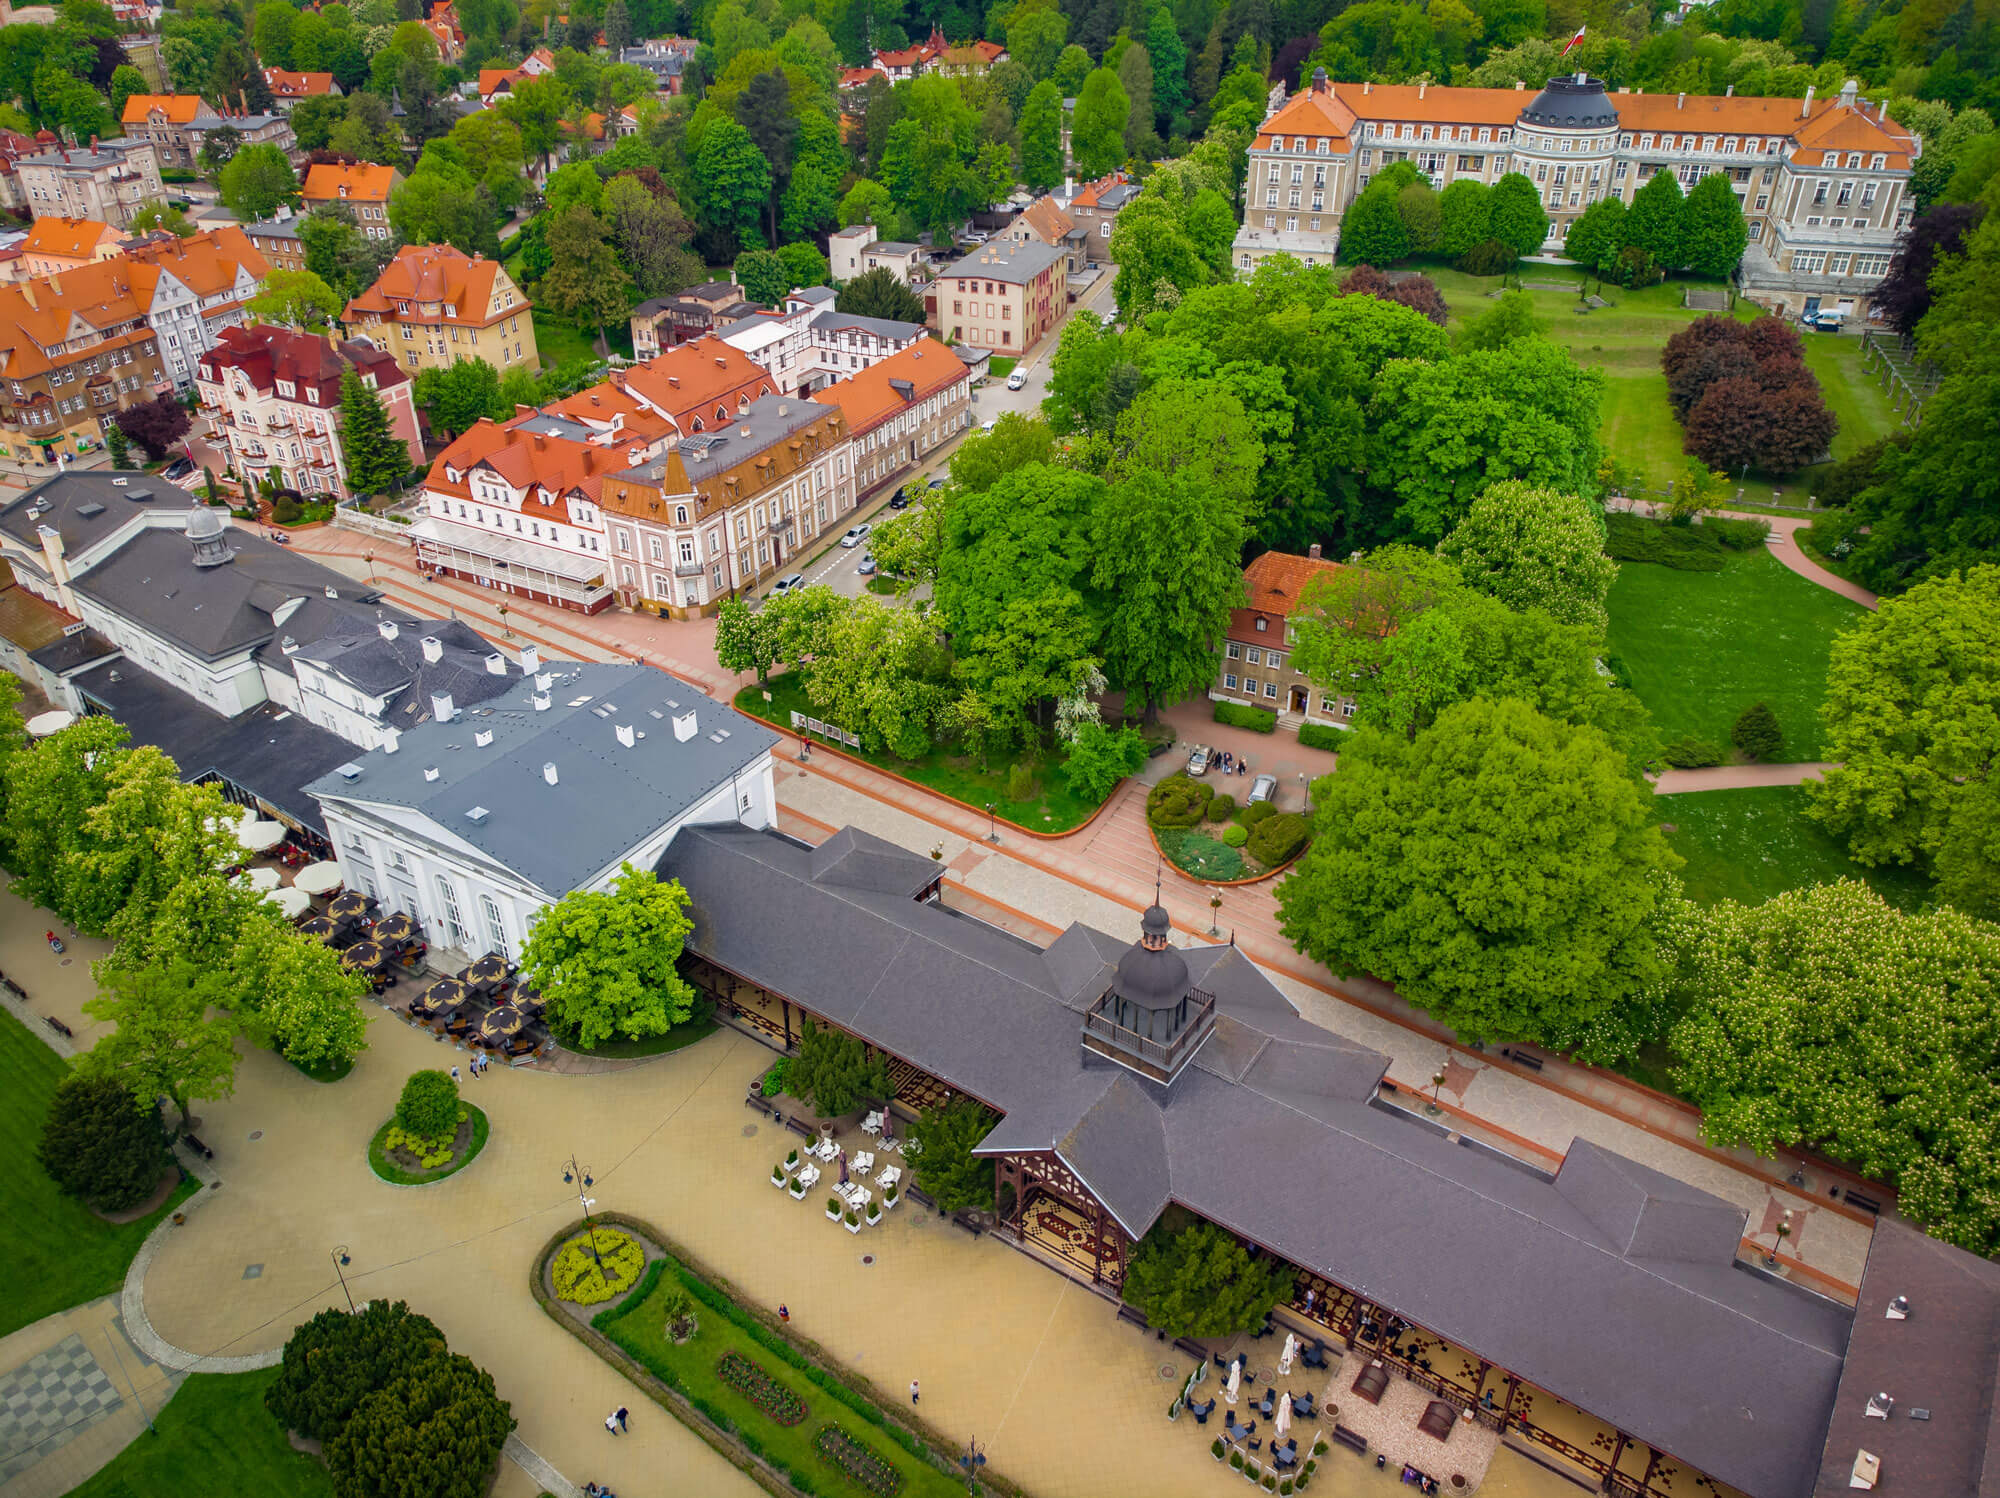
(1152,1018)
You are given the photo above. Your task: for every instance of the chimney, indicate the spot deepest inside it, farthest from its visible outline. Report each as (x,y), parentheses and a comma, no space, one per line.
(482,738)
(1422,84)
(1313,551)
(1680,101)
(531,660)
(1847,92)
(392,740)
(684,726)
(1805,104)
(625,737)
(1519,85)
(544,680)
(388,628)
(497,663)
(433,649)
(441,708)
(1367,87)
(541,702)
(549,772)
(431,772)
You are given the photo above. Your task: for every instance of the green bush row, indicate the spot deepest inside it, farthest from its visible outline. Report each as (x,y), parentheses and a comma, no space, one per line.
(1321,736)
(1738,535)
(1241,715)
(1691,753)
(1279,837)
(1686,548)
(1178,801)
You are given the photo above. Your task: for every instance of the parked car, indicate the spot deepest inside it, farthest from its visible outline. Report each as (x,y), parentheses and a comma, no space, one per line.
(985,426)
(1825,322)
(900,500)
(857,535)
(180,468)
(974,236)
(1017,379)
(867,564)
(936,484)
(787,584)
(1198,760)
(1263,788)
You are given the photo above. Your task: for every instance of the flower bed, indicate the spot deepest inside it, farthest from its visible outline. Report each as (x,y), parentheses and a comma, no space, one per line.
(849,1456)
(579,1277)
(772,1398)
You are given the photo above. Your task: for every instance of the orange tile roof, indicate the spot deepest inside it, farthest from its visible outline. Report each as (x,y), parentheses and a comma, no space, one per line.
(287,85)
(1431,104)
(692,381)
(601,405)
(1088,194)
(365,183)
(38,315)
(1047,220)
(548,467)
(492,79)
(68,238)
(1275,580)
(857,77)
(434,273)
(1845,128)
(207,263)
(871,396)
(178,108)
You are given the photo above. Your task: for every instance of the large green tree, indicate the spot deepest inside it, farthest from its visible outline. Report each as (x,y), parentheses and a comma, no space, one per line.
(1198,1280)
(940,1152)
(1097,126)
(459,396)
(1040,128)
(436,1431)
(1502,870)
(584,279)
(880,293)
(332,1362)
(1372,231)
(1515,215)
(732,182)
(257,181)
(102,1144)
(1535,548)
(377,460)
(1713,233)
(298,298)
(835,1071)
(605,961)
(1655,222)
(166,1041)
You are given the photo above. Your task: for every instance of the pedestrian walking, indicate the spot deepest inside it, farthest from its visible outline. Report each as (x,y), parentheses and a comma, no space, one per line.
(611,1422)
(784,1313)
(454,1076)
(623,1415)
(913,1391)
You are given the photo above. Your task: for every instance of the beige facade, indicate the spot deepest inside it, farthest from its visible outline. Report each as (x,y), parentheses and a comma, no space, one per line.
(1257,667)
(435,306)
(108,181)
(1003,296)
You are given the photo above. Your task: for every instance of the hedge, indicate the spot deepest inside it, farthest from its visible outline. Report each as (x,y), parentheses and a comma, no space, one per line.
(1278,838)
(1691,754)
(1220,807)
(1321,736)
(1178,801)
(1240,715)
(1687,548)
(1738,535)
(1260,811)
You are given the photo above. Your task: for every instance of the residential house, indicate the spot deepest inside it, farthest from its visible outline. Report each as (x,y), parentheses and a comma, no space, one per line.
(724,509)
(434,306)
(13,146)
(664,321)
(74,349)
(478,819)
(450,40)
(936,55)
(496,81)
(845,343)
(1003,296)
(855,250)
(178,125)
(287,88)
(192,289)
(373,676)
(1257,668)
(666,58)
(277,240)
(1823,183)
(275,396)
(900,410)
(699,386)
(1043,222)
(109,180)
(60,244)
(779,343)
(363,188)
(1094,207)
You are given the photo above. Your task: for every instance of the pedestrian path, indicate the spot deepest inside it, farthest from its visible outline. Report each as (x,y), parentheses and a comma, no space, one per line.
(1784,545)
(1738,777)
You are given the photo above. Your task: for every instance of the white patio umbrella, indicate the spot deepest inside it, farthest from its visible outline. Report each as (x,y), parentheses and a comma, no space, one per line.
(292,902)
(1291,1351)
(1235,1380)
(54,721)
(261,880)
(259,836)
(1284,1416)
(318,878)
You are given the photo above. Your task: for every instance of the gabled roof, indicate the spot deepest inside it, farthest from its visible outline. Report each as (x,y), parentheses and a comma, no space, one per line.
(1275,580)
(894,384)
(1415,102)
(288,85)
(68,238)
(364,182)
(437,273)
(209,263)
(179,109)
(692,381)
(1048,221)
(549,467)
(1108,192)
(37,316)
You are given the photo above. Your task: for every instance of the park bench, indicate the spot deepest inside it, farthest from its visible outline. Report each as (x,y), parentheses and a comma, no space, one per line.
(1133,1315)
(1353,1440)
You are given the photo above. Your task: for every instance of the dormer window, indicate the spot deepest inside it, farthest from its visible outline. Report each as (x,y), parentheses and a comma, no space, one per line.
(1262,624)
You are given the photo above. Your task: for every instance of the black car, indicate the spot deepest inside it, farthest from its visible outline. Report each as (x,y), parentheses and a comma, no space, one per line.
(177,470)
(937,483)
(900,500)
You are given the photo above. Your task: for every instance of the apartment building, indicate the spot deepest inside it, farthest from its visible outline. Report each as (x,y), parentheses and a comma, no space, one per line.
(277,240)
(700,386)
(845,343)
(901,410)
(178,126)
(1002,296)
(663,321)
(109,180)
(274,395)
(1256,668)
(55,245)
(1823,182)
(855,250)
(435,306)
(1043,222)
(363,189)
(723,510)
(287,88)
(192,290)
(74,349)
(1094,208)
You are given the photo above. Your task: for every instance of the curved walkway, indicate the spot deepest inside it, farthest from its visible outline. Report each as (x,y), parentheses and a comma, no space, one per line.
(1739,777)
(1784,545)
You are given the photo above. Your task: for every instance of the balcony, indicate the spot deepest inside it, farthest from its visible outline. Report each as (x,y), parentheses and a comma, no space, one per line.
(1160,1060)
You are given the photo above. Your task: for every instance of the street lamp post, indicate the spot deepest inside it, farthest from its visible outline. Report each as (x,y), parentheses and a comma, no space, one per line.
(340,1262)
(1215,915)
(1435,1105)
(992,822)
(579,1176)
(1778,1239)
(970,1461)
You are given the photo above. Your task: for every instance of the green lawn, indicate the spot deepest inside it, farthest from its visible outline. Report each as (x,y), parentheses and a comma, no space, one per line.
(560,341)
(1752,844)
(998,368)
(1700,647)
(57,1251)
(1052,807)
(215,1436)
(639,1326)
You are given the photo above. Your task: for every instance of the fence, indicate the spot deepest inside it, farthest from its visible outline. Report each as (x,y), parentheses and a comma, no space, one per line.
(350,518)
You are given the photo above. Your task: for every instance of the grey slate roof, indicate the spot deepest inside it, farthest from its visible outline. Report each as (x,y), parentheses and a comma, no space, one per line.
(1008,260)
(267,751)
(1611,1285)
(764,423)
(85,507)
(881,327)
(360,654)
(73,652)
(607,798)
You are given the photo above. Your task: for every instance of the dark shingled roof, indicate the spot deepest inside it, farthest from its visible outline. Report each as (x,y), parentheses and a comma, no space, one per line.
(1612,1285)
(84,507)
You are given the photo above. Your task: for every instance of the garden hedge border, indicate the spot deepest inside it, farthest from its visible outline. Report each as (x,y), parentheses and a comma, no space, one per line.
(1225,883)
(903,1427)
(473,1150)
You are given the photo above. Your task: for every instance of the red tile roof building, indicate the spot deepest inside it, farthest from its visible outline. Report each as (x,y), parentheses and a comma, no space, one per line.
(288,88)
(362,188)
(434,306)
(901,410)
(276,395)
(1256,667)
(936,55)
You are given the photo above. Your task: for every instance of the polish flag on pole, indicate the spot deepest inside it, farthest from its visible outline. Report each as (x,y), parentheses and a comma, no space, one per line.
(1572,43)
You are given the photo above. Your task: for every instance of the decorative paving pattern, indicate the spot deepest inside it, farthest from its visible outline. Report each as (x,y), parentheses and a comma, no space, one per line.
(48,1401)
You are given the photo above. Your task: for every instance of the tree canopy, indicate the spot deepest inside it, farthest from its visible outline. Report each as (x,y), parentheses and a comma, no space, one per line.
(605,961)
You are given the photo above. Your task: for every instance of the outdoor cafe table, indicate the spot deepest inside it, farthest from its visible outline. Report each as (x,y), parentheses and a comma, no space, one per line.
(502,1023)
(488,973)
(364,956)
(352,904)
(446,993)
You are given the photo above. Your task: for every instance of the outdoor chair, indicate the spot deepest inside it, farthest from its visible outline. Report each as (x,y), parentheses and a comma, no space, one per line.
(1314,1355)
(1201,1412)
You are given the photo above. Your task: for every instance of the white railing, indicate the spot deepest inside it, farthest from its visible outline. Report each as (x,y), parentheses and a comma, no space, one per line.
(360,520)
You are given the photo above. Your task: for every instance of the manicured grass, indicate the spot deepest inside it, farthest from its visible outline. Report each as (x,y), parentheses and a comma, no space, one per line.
(383,1166)
(1700,647)
(560,341)
(1054,808)
(215,1436)
(1752,844)
(57,1251)
(639,1327)
(1000,368)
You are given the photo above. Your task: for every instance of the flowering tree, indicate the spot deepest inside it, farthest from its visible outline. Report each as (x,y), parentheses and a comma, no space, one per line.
(1535,548)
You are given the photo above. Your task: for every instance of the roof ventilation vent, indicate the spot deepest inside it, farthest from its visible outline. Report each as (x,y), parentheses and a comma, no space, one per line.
(544,680)
(348,771)
(90,511)
(441,708)
(1898,1309)
(482,738)
(431,772)
(388,628)
(684,726)
(1879,1406)
(624,732)
(549,772)
(497,663)
(477,814)
(531,660)
(541,702)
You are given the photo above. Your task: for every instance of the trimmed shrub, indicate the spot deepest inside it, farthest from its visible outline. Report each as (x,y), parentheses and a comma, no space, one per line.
(1178,801)
(578,1276)
(1235,835)
(1757,734)
(428,1107)
(1221,807)
(1687,548)
(1321,736)
(1737,535)
(1020,783)
(1279,837)
(1691,754)
(1241,715)
(1490,257)
(99,1144)
(1261,811)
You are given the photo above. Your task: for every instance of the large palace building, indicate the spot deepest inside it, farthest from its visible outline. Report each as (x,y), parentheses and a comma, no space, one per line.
(1823,183)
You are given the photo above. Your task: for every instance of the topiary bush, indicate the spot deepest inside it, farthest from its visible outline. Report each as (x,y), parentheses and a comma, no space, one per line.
(1757,734)
(428,1107)
(1235,835)
(1178,801)
(1221,807)
(99,1144)
(1020,784)
(581,1279)
(1242,715)
(1321,736)
(1261,811)
(1691,753)
(1279,837)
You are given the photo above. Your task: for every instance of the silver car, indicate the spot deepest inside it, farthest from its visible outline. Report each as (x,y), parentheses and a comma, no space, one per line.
(1263,788)
(1198,760)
